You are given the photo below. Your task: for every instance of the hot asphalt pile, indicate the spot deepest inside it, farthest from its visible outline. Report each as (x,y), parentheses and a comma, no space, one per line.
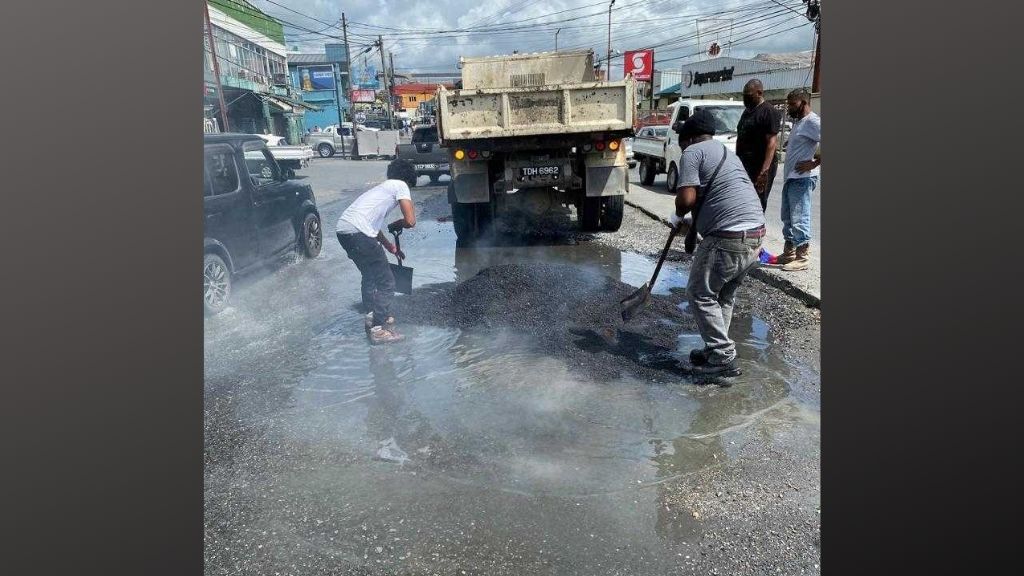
(571,309)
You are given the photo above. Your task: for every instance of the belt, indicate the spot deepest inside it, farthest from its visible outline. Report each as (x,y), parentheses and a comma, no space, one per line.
(741,234)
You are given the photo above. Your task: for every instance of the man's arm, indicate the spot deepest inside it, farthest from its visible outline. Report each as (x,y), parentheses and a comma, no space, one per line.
(686,199)
(408,219)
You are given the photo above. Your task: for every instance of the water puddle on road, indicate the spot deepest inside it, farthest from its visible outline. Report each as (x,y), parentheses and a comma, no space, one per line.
(507,445)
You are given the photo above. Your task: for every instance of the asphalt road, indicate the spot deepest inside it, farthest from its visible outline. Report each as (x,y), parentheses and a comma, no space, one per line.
(494,444)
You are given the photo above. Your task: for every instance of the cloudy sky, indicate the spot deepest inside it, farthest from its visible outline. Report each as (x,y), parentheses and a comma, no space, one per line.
(426,35)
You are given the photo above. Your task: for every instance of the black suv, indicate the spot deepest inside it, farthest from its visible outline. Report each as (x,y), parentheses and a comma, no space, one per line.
(251,213)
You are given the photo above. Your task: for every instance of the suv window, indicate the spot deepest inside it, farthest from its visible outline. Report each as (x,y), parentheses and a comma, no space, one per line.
(424,135)
(219,165)
(260,164)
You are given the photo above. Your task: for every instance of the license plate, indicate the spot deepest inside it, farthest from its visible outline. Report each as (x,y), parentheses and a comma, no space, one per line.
(540,171)
(426,166)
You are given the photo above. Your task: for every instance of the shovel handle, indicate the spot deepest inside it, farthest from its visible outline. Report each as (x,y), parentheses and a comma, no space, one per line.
(664,253)
(398,246)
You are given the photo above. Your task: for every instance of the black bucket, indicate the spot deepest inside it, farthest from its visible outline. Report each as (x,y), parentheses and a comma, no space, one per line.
(403,278)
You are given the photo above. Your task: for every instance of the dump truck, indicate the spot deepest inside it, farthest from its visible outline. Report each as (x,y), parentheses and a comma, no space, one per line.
(528,134)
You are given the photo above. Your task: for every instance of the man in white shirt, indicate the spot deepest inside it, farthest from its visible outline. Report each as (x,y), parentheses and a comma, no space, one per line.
(360,232)
(801,174)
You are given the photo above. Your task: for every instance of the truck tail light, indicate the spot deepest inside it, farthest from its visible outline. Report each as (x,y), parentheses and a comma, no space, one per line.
(473,154)
(460,154)
(613,145)
(486,153)
(599,146)
(587,147)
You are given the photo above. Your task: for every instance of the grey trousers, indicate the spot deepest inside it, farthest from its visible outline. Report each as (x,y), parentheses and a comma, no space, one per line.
(718,268)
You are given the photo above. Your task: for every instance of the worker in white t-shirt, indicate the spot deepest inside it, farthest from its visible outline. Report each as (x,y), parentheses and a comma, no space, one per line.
(360,232)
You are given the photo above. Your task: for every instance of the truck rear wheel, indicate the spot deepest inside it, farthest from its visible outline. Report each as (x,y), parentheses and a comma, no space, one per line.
(463,216)
(611,216)
(647,171)
(590,214)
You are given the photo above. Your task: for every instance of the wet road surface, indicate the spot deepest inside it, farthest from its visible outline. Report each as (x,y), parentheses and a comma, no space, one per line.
(461,450)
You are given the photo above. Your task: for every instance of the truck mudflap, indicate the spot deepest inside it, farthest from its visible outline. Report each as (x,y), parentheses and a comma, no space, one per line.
(470,182)
(607,173)
(606,181)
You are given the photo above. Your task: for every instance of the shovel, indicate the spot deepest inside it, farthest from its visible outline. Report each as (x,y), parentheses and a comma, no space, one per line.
(402,274)
(634,302)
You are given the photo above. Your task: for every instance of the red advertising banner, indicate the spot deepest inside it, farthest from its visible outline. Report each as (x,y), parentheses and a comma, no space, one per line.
(364,96)
(640,63)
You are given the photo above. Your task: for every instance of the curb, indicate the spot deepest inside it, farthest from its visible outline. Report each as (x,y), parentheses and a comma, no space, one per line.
(766,275)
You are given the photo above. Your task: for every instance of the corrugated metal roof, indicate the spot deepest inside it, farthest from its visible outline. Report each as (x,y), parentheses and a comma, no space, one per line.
(300,58)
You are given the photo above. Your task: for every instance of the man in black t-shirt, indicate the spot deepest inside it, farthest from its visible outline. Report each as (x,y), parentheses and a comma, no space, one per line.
(757,139)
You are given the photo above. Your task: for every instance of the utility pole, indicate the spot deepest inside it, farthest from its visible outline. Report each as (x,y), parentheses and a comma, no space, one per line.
(814,15)
(608,65)
(391,64)
(337,96)
(384,68)
(816,82)
(216,69)
(348,66)
(556,39)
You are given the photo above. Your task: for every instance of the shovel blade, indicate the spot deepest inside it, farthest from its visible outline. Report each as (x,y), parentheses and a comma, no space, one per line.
(403,278)
(634,302)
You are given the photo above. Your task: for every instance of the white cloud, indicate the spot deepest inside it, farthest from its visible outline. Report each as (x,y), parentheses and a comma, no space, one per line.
(413,29)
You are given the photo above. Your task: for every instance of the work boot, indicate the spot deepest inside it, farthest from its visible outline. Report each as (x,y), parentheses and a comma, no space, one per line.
(711,373)
(382,335)
(788,254)
(802,260)
(698,356)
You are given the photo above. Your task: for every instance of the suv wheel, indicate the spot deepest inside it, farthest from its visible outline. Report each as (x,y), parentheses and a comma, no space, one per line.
(325,150)
(216,284)
(312,239)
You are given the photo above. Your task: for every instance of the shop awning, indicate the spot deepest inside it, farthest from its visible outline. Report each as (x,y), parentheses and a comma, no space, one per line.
(288,105)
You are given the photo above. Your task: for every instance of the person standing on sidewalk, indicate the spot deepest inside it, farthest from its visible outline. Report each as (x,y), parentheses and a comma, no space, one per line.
(714,185)
(757,139)
(360,232)
(801,172)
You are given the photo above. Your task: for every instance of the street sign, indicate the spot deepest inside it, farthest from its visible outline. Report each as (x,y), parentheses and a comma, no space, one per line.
(714,49)
(640,63)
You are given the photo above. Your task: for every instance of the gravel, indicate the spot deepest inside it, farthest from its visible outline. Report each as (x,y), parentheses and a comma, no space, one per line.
(566,308)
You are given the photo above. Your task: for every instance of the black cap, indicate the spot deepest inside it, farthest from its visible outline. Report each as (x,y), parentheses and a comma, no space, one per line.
(700,123)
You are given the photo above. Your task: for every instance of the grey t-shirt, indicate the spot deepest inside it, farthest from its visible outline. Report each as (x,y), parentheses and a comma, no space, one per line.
(732,204)
(803,140)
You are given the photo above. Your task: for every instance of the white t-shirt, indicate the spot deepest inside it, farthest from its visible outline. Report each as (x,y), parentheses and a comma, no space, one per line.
(368,214)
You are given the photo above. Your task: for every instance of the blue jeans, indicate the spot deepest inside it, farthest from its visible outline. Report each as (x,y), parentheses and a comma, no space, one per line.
(796,210)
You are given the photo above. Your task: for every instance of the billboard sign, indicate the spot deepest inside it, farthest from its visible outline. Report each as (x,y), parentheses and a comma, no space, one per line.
(316,78)
(640,63)
(366,77)
(364,96)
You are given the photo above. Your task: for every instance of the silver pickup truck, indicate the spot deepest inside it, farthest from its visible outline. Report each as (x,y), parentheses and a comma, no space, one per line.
(331,141)
(425,154)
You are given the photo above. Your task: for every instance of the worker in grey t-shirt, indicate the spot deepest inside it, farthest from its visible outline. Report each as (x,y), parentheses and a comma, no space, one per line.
(730,219)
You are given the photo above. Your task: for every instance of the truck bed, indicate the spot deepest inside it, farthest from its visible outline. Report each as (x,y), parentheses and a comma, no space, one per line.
(536,110)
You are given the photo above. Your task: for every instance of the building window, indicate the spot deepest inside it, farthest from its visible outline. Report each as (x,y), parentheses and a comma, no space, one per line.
(412,98)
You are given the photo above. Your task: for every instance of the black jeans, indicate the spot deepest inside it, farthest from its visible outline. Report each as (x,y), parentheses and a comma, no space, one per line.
(378,285)
(753,171)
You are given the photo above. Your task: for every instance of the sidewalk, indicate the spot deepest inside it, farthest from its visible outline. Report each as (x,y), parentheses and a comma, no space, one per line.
(655,201)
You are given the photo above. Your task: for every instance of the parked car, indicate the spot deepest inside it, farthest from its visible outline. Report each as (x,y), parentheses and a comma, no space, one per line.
(425,154)
(251,213)
(290,158)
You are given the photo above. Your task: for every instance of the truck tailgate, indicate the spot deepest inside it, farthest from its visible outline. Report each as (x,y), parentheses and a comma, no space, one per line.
(534,111)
